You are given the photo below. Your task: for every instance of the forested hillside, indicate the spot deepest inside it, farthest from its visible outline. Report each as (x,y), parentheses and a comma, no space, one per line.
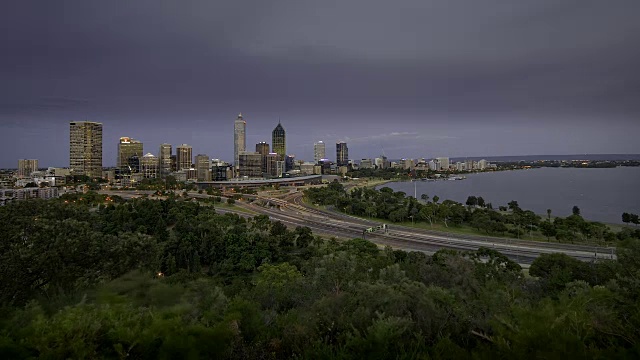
(149,279)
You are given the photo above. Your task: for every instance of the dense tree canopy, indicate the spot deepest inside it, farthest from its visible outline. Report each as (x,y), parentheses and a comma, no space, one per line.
(173,279)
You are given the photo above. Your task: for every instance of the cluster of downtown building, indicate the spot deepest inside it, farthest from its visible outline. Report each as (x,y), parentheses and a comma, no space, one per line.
(133,164)
(266,162)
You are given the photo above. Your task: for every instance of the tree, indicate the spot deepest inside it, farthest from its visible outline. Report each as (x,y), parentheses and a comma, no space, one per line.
(480,201)
(635,219)
(576,210)
(547,229)
(428,212)
(549,215)
(472,201)
(230,201)
(435,198)
(424,197)
(626,218)
(513,206)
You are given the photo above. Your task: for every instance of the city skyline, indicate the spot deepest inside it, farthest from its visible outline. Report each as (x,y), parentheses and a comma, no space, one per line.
(452,79)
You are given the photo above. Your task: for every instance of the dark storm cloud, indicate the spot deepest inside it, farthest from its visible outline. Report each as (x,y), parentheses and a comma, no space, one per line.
(366,69)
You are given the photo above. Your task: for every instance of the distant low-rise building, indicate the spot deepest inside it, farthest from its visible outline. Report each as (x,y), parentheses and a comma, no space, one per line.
(9,195)
(366,164)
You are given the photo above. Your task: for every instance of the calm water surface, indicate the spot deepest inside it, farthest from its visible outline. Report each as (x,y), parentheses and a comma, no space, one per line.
(601,194)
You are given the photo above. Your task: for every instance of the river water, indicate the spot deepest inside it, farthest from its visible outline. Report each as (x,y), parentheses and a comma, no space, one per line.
(601,194)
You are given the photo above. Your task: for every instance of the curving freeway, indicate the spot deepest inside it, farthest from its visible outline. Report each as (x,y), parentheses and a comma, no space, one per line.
(290,210)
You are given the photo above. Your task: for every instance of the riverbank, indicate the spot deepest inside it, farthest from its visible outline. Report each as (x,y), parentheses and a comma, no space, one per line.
(601,194)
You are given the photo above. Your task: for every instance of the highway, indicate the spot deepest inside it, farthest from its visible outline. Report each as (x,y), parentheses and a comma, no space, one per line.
(291,211)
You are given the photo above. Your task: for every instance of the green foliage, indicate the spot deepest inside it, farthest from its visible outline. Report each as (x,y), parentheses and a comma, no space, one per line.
(173,279)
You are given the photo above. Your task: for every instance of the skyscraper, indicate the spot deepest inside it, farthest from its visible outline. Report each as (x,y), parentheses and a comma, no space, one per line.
(149,166)
(289,162)
(164,159)
(239,139)
(127,149)
(263,149)
(203,166)
(319,151)
(184,156)
(26,167)
(85,148)
(270,164)
(342,154)
(443,163)
(278,141)
(249,164)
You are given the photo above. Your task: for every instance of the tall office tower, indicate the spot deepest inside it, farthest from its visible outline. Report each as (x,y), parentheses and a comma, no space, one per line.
(85,148)
(239,139)
(289,162)
(318,151)
(149,165)
(127,149)
(278,141)
(26,167)
(270,162)
(184,156)
(342,154)
(443,163)
(203,167)
(173,162)
(164,159)
(249,164)
(263,149)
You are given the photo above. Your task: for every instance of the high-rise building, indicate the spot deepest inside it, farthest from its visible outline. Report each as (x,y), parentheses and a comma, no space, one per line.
(270,162)
(26,167)
(289,162)
(239,139)
(469,165)
(443,163)
(203,166)
(263,149)
(85,148)
(318,151)
(342,154)
(278,141)
(149,166)
(184,156)
(164,159)
(128,148)
(249,164)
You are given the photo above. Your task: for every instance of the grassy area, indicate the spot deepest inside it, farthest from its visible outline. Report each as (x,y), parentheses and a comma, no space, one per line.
(225,206)
(462,229)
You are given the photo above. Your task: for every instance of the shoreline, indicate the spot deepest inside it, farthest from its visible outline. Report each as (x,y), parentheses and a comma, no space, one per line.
(573,187)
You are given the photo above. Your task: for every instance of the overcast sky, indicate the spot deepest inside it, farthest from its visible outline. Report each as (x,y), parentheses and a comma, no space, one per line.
(419,78)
